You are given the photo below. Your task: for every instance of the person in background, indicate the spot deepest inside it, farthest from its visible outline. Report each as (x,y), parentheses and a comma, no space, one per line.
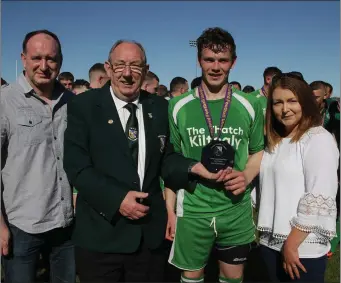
(151,83)
(329,98)
(333,126)
(329,89)
(262,93)
(97,76)
(196,82)
(297,74)
(298,182)
(330,112)
(248,89)
(236,85)
(178,86)
(320,94)
(80,86)
(162,91)
(66,79)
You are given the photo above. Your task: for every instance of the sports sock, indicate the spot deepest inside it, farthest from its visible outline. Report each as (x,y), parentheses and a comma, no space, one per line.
(230,280)
(191,280)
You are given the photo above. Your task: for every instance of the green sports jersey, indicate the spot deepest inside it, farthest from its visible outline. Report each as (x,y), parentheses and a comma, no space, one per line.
(162,184)
(263,100)
(329,113)
(189,133)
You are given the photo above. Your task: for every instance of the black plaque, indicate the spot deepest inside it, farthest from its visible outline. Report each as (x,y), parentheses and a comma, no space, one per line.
(217,155)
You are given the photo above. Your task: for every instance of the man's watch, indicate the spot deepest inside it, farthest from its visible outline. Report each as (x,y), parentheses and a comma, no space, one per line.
(191,166)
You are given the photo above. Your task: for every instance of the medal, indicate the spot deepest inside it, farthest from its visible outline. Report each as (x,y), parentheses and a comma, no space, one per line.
(217,154)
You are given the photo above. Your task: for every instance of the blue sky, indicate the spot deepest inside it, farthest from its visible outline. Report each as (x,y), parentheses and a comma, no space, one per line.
(301,36)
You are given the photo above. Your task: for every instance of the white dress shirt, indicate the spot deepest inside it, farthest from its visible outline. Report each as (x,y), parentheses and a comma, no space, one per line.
(124,114)
(298,182)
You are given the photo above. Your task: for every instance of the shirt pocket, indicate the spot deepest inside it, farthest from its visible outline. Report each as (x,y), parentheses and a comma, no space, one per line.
(30,128)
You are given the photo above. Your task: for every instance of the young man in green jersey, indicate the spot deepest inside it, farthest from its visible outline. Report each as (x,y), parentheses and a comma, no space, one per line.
(215,215)
(330,111)
(262,93)
(333,126)
(329,89)
(320,93)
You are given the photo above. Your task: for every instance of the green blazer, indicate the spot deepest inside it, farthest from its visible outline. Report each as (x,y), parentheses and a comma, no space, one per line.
(98,163)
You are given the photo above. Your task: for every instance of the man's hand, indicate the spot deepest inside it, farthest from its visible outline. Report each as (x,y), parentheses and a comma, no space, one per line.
(201,171)
(5,238)
(131,209)
(235,182)
(170,230)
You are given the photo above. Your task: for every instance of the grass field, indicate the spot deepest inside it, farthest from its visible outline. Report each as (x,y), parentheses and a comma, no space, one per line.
(333,268)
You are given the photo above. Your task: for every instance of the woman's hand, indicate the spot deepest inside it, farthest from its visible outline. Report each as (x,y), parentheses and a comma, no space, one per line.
(291,260)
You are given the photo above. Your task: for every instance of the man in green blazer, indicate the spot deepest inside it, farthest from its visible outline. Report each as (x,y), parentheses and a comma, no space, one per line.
(116,148)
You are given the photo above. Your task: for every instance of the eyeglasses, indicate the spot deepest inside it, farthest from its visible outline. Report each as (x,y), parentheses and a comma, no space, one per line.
(120,67)
(278,77)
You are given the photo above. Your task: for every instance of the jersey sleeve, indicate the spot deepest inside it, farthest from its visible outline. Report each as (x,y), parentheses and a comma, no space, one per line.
(316,212)
(175,137)
(256,141)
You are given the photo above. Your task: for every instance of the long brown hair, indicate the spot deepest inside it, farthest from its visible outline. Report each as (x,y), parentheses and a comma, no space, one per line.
(311,117)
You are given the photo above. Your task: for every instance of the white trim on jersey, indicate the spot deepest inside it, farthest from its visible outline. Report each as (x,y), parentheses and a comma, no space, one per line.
(246,104)
(179,105)
(171,253)
(180,203)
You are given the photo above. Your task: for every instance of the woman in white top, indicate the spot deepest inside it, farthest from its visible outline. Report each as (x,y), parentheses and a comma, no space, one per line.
(298,185)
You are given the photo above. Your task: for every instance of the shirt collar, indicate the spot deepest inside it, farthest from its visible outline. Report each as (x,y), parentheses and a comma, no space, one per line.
(58,89)
(22,81)
(120,103)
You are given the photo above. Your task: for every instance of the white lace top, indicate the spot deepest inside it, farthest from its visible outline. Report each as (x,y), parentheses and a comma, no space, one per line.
(298,186)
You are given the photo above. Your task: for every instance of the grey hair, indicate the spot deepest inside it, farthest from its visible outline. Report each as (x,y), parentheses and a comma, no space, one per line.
(118,42)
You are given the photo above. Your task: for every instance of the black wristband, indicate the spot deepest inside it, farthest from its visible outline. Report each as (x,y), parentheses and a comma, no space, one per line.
(191,166)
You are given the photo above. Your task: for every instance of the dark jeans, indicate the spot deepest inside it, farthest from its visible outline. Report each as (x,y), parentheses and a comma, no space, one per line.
(21,264)
(315,267)
(144,265)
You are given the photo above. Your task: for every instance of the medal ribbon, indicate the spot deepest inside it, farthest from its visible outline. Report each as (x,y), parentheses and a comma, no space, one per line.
(264,91)
(207,113)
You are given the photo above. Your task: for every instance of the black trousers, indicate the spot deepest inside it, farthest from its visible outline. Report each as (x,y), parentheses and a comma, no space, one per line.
(315,267)
(144,265)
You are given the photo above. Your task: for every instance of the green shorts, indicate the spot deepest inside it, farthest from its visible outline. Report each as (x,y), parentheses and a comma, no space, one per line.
(195,237)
